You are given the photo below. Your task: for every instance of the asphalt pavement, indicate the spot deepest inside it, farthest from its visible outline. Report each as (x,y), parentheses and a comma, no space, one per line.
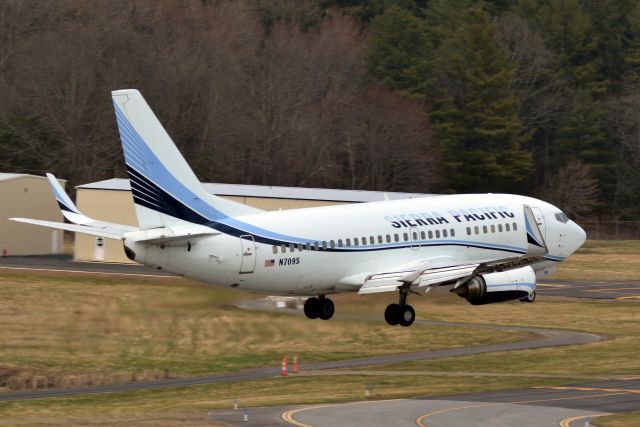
(566,406)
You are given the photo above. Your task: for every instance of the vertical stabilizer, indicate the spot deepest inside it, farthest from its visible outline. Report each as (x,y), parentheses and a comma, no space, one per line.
(165,190)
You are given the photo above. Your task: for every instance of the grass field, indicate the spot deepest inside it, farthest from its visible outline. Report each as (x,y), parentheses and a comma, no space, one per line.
(81,324)
(66,323)
(603,260)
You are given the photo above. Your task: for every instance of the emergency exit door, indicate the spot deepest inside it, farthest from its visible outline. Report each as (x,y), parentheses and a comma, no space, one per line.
(248,254)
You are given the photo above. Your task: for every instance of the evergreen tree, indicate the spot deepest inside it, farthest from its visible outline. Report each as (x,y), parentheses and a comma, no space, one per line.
(473,110)
(396,55)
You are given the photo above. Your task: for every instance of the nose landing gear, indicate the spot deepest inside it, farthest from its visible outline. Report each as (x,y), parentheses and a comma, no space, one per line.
(321,307)
(402,313)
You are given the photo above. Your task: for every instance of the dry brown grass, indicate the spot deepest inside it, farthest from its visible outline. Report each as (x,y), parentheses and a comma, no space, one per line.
(631,419)
(63,326)
(603,260)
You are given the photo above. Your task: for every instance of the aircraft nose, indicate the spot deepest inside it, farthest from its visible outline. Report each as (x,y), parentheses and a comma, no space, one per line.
(577,236)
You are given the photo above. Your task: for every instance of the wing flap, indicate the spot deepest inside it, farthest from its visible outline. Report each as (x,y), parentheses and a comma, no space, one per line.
(388,282)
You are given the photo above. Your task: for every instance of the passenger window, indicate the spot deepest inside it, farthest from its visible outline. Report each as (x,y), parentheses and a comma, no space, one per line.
(379,238)
(356,242)
(332,243)
(406,237)
(372,240)
(515,227)
(275,249)
(364,241)
(444,233)
(388,239)
(423,235)
(506,227)
(396,238)
(437,234)
(493,228)
(316,246)
(484,229)
(476,230)
(300,247)
(415,235)
(340,243)
(499,228)
(283,248)
(324,245)
(291,247)
(430,234)
(348,242)
(453,232)
(468,231)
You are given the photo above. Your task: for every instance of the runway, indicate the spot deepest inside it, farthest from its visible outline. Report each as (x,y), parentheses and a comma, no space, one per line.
(621,290)
(61,263)
(533,407)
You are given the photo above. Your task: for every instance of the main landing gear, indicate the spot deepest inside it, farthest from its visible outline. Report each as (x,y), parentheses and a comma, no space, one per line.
(529,298)
(400,314)
(321,307)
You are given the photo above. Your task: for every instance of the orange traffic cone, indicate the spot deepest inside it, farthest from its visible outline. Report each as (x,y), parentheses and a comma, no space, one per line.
(283,372)
(294,368)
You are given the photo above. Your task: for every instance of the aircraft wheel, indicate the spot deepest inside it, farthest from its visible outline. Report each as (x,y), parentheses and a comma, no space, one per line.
(407,315)
(326,308)
(529,298)
(312,308)
(392,314)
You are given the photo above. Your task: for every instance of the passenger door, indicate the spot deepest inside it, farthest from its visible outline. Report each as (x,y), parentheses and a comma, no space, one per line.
(248,254)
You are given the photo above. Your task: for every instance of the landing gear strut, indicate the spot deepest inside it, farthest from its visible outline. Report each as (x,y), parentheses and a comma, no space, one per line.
(321,307)
(402,313)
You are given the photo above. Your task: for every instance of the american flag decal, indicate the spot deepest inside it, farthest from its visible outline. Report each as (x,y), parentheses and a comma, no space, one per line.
(269,262)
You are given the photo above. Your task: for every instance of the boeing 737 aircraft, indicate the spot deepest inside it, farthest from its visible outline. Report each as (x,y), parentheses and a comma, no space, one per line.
(485,247)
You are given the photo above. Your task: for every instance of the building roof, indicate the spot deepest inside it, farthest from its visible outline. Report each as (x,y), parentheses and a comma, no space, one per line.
(8,176)
(273,192)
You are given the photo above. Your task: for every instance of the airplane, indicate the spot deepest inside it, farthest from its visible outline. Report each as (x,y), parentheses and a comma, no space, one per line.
(486,248)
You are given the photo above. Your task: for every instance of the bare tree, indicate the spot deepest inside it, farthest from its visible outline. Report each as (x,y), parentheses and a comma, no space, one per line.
(573,189)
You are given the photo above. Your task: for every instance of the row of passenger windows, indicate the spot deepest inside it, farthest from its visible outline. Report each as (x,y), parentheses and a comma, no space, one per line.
(364,241)
(492,228)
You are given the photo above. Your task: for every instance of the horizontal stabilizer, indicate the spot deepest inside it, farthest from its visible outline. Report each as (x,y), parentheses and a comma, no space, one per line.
(81,223)
(85,229)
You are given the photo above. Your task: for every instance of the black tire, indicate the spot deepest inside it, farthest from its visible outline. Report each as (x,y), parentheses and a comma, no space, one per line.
(407,315)
(392,314)
(529,298)
(326,309)
(312,308)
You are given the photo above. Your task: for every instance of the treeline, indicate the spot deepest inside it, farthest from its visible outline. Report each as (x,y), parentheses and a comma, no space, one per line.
(531,96)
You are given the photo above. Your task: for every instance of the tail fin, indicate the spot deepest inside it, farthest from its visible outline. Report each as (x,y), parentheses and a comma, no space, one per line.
(165,190)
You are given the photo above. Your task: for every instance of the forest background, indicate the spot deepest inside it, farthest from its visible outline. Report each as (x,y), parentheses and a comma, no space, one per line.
(537,97)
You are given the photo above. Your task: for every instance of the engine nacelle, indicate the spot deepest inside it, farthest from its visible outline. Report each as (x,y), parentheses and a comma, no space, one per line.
(498,287)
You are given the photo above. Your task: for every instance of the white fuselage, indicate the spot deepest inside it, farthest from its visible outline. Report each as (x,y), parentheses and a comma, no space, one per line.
(332,249)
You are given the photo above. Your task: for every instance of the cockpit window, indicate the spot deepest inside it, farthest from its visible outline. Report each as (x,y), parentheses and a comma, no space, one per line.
(561,217)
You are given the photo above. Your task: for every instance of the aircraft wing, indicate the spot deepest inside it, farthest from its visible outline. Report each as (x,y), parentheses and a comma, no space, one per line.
(80,223)
(438,272)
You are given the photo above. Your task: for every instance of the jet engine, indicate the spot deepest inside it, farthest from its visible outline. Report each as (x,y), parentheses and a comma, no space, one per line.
(502,286)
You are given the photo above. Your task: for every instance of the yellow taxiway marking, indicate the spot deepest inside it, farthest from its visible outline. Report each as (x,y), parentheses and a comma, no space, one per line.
(635,288)
(288,415)
(567,421)
(608,390)
(420,419)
